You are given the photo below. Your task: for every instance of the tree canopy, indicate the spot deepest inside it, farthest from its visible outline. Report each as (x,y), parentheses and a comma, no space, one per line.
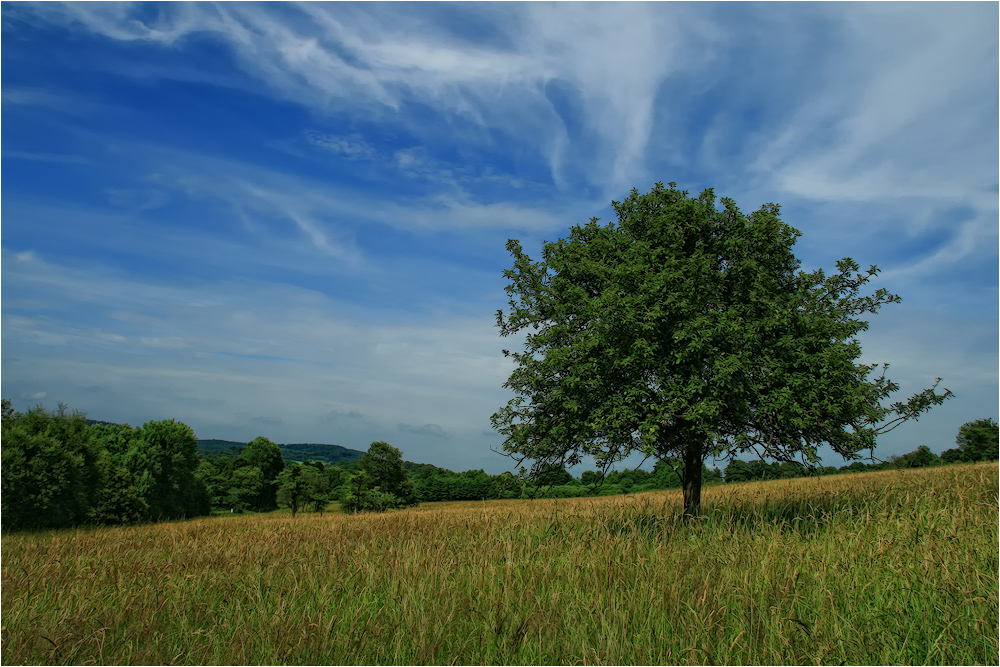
(263,454)
(979,440)
(687,330)
(381,483)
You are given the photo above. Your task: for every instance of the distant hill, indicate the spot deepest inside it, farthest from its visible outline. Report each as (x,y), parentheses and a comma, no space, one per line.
(291,453)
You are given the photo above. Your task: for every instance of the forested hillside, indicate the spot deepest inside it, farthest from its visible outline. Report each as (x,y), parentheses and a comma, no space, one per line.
(329,454)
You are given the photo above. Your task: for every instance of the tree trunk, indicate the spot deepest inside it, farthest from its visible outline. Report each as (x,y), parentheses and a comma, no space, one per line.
(693,458)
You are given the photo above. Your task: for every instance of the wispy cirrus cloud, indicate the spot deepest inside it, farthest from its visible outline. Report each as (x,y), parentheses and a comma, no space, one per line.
(542,76)
(907,121)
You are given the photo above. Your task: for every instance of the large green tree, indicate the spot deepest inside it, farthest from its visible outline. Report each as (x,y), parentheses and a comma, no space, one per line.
(383,464)
(163,458)
(688,330)
(263,454)
(50,470)
(979,440)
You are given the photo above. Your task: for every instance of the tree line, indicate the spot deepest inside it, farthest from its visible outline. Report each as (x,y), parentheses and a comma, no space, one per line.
(58,471)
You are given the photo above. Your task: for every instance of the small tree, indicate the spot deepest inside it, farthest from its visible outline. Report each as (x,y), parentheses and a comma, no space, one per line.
(685,330)
(979,440)
(921,457)
(293,490)
(318,485)
(381,484)
(551,475)
(953,456)
(265,455)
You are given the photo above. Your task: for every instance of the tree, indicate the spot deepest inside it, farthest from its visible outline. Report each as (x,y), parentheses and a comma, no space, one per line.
(919,458)
(118,501)
(245,488)
(265,455)
(953,456)
(381,483)
(292,489)
(50,472)
(686,330)
(551,475)
(302,485)
(163,459)
(506,485)
(319,485)
(384,465)
(216,474)
(737,471)
(979,440)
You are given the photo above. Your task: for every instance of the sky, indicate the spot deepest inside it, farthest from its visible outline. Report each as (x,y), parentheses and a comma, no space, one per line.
(289,220)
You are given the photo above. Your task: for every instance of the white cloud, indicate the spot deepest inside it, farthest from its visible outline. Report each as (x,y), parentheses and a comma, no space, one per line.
(352,147)
(332,57)
(908,123)
(207,351)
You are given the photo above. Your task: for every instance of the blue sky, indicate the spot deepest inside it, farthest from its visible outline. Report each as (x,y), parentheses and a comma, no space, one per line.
(290,220)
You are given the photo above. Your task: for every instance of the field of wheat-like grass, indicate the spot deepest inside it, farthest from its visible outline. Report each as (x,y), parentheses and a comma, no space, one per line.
(876,568)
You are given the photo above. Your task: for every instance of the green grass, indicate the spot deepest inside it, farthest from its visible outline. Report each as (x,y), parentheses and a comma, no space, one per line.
(879,568)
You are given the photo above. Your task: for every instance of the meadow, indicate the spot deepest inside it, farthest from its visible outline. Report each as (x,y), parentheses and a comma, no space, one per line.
(895,567)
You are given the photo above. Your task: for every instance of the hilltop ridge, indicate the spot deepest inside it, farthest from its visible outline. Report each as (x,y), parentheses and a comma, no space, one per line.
(296,452)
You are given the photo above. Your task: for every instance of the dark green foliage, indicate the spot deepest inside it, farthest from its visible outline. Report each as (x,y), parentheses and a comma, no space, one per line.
(361,495)
(307,484)
(322,482)
(953,456)
(551,475)
(264,455)
(216,474)
(163,459)
(737,471)
(245,489)
(329,454)
(687,331)
(293,491)
(383,464)
(381,483)
(60,470)
(118,501)
(50,474)
(506,485)
(979,440)
(920,458)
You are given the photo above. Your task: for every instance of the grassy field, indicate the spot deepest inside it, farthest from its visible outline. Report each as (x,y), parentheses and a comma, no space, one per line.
(877,568)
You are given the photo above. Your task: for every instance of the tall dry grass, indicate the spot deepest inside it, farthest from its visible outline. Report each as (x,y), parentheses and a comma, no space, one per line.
(878,568)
